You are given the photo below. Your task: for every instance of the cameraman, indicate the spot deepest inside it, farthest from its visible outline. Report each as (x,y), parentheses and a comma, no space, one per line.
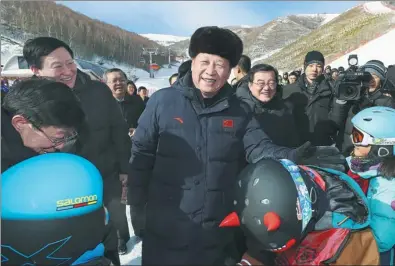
(374,96)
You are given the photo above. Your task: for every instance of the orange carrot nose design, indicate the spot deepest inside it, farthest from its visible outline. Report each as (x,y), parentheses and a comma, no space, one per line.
(272,221)
(232,220)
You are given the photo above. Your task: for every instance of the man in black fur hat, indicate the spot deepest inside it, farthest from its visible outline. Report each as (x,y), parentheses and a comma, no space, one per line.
(191,142)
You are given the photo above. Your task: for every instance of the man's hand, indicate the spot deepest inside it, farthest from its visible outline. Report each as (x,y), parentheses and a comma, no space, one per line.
(131,132)
(123,178)
(326,157)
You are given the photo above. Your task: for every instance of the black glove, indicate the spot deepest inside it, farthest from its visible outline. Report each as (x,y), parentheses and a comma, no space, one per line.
(322,156)
(326,157)
(300,154)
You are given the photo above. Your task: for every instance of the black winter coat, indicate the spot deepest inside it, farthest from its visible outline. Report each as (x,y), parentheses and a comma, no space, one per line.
(107,145)
(275,117)
(131,108)
(312,111)
(12,149)
(350,109)
(241,84)
(186,155)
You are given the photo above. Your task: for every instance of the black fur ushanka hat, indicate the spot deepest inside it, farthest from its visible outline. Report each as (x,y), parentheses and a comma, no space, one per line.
(217,41)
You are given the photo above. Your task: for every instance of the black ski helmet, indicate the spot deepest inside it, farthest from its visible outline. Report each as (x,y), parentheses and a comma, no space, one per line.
(272,204)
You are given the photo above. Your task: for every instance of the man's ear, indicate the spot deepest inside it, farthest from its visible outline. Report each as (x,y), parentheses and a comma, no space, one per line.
(35,70)
(192,63)
(19,122)
(249,85)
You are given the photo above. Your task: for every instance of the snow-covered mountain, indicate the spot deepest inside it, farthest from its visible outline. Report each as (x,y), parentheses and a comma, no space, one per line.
(262,41)
(338,36)
(164,39)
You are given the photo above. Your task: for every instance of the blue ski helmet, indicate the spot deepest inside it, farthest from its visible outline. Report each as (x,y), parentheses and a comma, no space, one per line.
(377,124)
(52,211)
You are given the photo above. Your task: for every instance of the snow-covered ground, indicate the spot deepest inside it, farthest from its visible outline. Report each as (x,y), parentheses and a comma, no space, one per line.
(128,69)
(163,39)
(161,79)
(154,84)
(9,47)
(376,7)
(253,61)
(133,256)
(328,17)
(381,49)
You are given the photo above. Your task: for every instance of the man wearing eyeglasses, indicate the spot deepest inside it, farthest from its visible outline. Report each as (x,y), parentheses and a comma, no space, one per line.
(27,129)
(107,146)
(263,95)
(131,109)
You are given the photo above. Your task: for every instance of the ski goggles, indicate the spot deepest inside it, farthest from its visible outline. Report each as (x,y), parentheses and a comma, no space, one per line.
(360,138)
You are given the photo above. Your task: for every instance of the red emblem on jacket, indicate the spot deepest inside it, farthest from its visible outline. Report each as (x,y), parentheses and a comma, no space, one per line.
(227,123)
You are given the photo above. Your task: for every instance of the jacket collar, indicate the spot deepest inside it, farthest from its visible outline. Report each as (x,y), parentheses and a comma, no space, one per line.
(320,85)
(242,82)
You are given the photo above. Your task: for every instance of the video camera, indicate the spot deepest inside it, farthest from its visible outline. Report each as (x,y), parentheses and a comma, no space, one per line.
(352,85)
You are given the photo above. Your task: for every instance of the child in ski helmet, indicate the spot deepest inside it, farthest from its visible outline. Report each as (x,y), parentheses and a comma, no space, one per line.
(373,161)
(52,212)
(298,215)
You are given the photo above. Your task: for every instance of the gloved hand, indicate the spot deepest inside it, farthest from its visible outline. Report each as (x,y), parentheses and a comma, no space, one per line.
(326,157)
(301,153)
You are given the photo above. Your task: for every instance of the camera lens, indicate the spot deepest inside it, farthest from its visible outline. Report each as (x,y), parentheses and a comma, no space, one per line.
(349,92)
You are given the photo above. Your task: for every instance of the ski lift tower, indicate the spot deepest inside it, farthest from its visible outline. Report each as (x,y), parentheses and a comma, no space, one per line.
(169,58)
(150,52)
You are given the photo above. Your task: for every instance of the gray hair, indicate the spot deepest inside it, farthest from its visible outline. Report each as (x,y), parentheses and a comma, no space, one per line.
(112,70)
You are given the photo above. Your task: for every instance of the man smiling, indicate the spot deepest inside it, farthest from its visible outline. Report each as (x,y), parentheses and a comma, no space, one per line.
(108,145)
(190,144)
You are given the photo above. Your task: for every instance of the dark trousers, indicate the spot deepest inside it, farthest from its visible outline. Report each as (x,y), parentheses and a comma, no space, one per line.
(137,215)
(110,243)
(117,227)
(116,210)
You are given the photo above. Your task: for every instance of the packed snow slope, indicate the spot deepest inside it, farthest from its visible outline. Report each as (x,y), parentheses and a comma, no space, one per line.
(163,39)
(341,35)
(381,49)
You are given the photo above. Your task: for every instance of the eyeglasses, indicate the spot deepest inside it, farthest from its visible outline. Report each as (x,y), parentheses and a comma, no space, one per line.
(360,138)
(69,140)
(271,84)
